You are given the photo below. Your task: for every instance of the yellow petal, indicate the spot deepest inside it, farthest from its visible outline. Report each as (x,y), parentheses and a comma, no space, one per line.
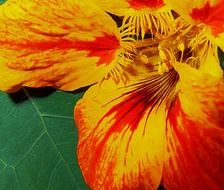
(195,133)
(202,89)
(210,63)
(219,41)
(117,7)
(65,44)
(121,137)
(184,8)
(122,7)
(122,129)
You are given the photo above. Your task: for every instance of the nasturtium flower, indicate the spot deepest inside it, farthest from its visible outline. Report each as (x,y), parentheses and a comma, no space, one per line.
(162,128)
(154,113)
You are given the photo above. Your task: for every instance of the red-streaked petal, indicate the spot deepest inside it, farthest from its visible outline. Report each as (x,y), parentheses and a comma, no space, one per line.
(210,15)
(206,14)
(195,134)
(184,8)
(65,44)
(120,143)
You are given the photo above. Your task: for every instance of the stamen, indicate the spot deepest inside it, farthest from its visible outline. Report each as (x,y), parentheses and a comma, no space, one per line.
(198,39)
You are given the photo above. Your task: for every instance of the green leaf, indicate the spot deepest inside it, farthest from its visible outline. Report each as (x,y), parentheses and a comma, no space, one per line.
(38,140)
(2,1)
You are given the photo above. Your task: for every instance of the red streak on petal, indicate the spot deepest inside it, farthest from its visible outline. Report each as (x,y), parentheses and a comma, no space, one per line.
(127,115)
(211,16)
(138,4)
(193,142)
(103,47)
(128,112)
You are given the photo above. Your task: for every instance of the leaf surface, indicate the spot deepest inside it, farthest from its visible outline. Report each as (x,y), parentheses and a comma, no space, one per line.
(38,141)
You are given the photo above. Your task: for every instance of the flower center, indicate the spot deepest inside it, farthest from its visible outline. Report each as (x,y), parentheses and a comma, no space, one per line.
(177,48)
(169,50)
(160,53)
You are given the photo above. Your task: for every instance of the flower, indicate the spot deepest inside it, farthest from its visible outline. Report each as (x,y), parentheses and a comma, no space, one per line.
(161,128)
(155,110)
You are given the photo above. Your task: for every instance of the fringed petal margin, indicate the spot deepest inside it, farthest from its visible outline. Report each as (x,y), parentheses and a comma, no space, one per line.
(195,134)
(62,44)
(141,16)
(121,138)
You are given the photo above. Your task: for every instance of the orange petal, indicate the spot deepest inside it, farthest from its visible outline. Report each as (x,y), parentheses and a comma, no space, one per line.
(121,138)
(211,16)
(184,7)
(65,45)
(195,135)
(205,12)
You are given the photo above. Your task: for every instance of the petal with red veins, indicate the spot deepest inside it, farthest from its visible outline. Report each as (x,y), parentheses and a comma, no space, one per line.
(121,138)
(185,7)
(210,15)
(195,134)
(206,12)
(62,44)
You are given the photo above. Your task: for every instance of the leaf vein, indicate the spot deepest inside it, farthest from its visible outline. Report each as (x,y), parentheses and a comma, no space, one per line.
(32,146)
(56,116)
(52,173)
(50,138)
